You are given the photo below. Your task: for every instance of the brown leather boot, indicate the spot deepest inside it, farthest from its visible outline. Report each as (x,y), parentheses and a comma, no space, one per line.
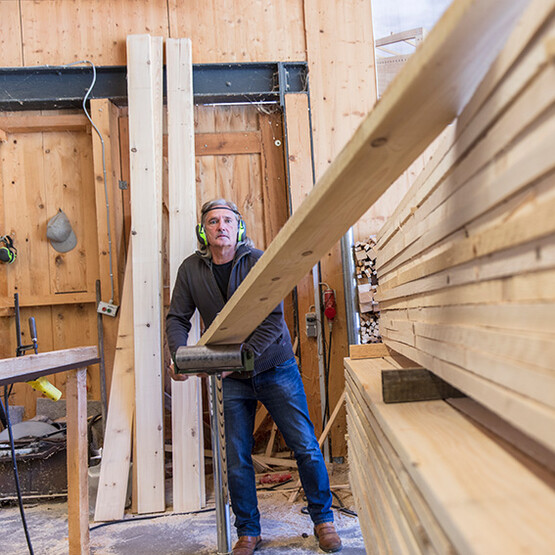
(246,545)
(328,539)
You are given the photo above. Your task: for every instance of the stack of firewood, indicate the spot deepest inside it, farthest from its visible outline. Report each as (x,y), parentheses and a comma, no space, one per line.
(367,283)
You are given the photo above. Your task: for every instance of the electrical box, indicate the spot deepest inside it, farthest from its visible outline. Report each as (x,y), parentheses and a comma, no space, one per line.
(311,324)
(107,309)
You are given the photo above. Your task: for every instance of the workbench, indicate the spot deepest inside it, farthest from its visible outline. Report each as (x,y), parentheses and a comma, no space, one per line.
(75,361)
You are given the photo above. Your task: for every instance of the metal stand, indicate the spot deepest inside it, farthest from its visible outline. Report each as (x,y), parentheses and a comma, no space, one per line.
(219,462)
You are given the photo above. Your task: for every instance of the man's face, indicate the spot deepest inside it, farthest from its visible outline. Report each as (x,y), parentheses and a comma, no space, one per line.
(221,228)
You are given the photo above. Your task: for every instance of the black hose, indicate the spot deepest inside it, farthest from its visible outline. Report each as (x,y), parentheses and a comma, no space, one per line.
(6,409)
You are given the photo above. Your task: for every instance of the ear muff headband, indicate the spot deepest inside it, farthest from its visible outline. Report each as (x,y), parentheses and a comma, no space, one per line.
(241,227)
(201,235)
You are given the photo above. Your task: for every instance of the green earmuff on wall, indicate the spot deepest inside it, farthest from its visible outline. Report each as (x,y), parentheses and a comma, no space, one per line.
(8,252)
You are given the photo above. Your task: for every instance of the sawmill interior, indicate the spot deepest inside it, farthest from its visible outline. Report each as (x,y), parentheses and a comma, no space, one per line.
(387,156)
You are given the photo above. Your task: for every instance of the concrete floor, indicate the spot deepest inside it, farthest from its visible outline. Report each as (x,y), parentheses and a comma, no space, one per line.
(285,529)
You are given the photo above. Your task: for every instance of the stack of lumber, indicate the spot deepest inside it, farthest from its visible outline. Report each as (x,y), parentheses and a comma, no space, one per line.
(427,480)
(367,284)
(466,264)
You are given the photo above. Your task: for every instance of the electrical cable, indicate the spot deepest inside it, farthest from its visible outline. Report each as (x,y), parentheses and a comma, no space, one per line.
(151,517)
(85,98)
(6,409)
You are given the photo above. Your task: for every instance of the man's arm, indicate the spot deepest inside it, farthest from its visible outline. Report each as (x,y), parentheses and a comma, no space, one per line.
(268,332)
(178,319)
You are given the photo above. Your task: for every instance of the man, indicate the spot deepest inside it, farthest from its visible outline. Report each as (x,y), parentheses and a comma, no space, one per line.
(206,280)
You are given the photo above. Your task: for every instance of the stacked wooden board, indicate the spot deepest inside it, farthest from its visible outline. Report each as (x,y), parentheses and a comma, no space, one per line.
(466,265)
(427,480)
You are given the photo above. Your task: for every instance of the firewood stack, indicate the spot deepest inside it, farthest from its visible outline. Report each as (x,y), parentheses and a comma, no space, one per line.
(367,283)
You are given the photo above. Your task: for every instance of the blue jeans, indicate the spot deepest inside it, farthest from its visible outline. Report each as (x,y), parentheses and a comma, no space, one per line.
(281,391)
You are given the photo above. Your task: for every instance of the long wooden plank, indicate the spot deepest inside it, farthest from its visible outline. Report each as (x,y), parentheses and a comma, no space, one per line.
(494,359)
(144,81)
(531,417)
(116,454)
(187,429)
(485,103)
(501,507)
(400,534)
(505,234)
(440,218)
(410,115)
(495,266)
(413,503)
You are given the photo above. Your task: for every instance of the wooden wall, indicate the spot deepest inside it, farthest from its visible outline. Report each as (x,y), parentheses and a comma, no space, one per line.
(42,172)
(335,38)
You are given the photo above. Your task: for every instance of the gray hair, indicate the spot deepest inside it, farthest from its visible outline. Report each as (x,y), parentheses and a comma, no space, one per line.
(211,205)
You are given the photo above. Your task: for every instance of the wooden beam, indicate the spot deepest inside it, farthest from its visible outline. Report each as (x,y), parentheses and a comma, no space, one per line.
(40,123)
(497,425)
(144,79)
(187,424)
(409,116)
(77,463)
(415,384)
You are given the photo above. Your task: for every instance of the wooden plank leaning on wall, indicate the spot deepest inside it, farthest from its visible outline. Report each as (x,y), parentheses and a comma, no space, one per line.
(145,142)
(187,426)
(116,454)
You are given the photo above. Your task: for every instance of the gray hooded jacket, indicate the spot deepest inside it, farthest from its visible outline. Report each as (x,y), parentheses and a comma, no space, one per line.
(196,287)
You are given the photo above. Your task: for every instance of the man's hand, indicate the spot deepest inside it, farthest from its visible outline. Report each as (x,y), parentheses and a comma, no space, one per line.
(175,376)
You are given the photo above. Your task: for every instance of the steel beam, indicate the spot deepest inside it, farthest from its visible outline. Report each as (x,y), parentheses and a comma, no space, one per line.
(58,87)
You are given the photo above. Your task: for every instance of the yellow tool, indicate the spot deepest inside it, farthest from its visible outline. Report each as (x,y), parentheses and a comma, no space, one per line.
(44,386)
(40,384)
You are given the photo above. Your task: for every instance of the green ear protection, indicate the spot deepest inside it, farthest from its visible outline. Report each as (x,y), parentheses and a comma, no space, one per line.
(8,252)
(241,227)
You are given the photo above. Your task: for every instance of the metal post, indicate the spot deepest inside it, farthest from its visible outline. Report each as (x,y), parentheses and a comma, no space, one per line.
(349,287)
(219,463)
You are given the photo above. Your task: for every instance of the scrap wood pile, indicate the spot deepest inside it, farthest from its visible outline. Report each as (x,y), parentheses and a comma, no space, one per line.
(367,284)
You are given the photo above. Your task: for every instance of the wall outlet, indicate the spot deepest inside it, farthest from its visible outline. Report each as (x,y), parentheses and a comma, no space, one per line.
(107,309)
(311,324)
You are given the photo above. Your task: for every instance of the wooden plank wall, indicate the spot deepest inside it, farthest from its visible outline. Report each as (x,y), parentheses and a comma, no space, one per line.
(40,173)
(466,263)
(336,41)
